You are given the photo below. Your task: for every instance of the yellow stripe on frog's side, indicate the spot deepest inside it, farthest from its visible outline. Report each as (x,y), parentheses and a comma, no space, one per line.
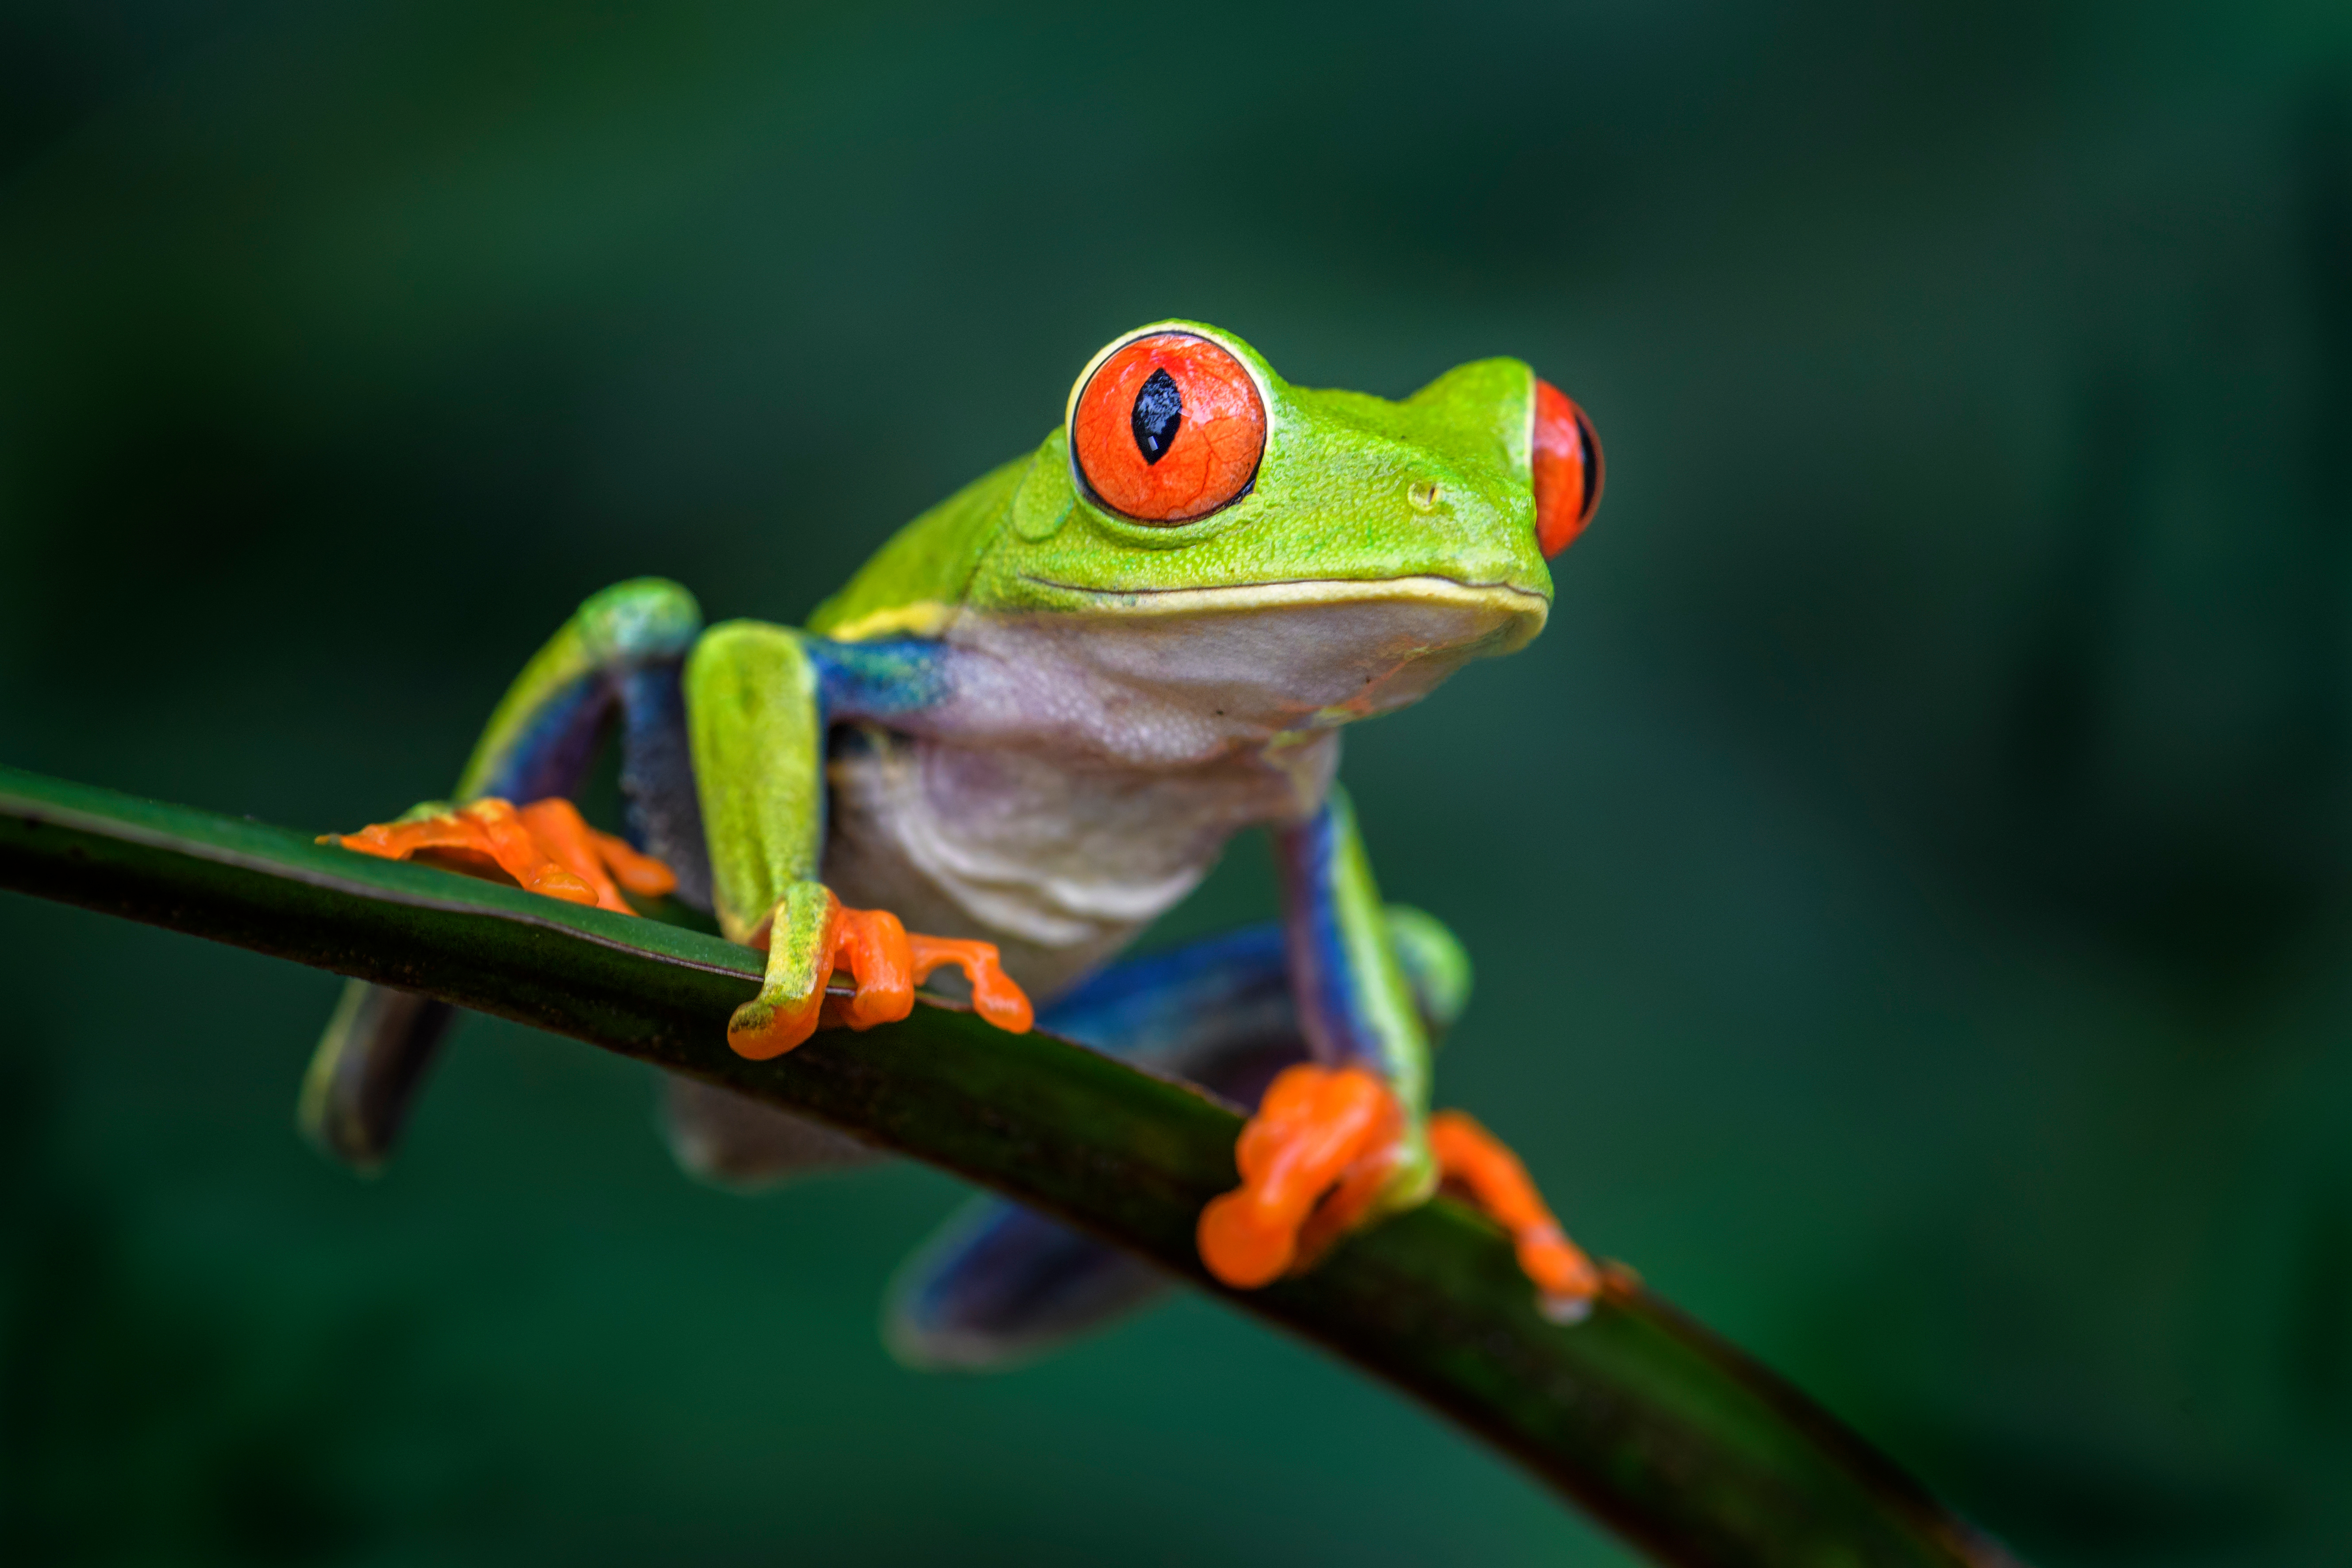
(927,618)
(913,584)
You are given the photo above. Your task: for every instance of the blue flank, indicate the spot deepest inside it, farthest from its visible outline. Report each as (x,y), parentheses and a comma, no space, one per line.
(879,680)
(1001,1283)
(1163,1006)
(552,756)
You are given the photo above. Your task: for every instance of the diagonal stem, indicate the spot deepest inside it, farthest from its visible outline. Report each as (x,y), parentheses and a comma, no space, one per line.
(1688,1448)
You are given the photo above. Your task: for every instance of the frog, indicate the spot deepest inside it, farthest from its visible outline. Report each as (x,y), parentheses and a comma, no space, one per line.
(1026,729)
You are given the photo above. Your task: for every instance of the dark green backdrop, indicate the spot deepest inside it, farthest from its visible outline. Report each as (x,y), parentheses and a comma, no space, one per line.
(1911,882)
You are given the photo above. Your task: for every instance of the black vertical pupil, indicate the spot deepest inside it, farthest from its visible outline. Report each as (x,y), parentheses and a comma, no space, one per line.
(1158,410)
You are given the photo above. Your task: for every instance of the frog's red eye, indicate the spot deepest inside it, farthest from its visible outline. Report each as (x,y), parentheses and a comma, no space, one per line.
(1567,470)
(1169,429)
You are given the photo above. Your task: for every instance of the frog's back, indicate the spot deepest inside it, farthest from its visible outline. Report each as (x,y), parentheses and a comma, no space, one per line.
(915,582)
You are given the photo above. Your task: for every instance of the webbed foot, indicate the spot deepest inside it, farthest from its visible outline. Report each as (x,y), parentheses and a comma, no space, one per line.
(545,848)
(813,936)
(1320,1154)
(1319,1130)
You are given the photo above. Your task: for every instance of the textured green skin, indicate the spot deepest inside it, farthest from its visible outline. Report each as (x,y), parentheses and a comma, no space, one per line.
(1692,1452)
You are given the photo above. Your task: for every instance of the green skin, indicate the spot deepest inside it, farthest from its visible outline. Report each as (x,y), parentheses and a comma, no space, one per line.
(1086,662)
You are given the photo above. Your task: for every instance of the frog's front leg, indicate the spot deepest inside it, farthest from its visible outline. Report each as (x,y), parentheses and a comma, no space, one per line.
(756,714)
(1345,1138)
(615,659)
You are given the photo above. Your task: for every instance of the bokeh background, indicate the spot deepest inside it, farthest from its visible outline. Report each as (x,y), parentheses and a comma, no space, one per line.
(1911,880)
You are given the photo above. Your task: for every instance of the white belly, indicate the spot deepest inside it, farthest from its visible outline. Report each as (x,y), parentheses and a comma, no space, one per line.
(1086,770)
(1060,867)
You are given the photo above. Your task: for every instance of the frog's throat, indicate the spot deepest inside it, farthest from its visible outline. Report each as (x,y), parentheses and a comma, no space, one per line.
(1521,612)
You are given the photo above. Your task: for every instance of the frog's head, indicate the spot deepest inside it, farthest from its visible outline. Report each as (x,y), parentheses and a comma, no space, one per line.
(1395,540)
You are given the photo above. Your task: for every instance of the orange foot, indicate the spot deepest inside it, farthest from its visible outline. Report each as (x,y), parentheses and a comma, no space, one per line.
(1319,1130)
(1475,1163)
(545,846)
(886,962)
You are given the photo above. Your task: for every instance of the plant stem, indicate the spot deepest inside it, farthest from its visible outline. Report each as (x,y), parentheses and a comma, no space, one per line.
(1685,1445)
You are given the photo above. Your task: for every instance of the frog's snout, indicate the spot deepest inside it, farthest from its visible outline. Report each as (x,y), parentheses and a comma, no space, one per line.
(1568,469)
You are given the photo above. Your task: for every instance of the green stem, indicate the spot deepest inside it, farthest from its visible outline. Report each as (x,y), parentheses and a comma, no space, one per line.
(1692,1452)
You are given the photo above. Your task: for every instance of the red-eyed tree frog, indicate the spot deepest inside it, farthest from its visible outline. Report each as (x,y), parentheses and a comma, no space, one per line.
(1024,730)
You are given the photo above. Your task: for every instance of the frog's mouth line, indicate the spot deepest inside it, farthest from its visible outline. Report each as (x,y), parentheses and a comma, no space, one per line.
(1495,598)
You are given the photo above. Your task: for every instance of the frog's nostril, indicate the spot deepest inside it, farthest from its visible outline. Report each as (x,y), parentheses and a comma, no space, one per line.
(1423,494)
(1567,471)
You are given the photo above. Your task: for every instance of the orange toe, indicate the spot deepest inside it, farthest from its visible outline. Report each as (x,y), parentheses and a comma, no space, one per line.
(994,996)
(885,962)
(486,838)
(1479,1164)
(543,847)
(767,1026)
(762,1031)
(872,945)
(1318,1129)
(1244,1246)
(563,835)
(640,874)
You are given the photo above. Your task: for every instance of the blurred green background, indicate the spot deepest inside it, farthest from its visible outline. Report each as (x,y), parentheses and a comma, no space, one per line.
(1911,879)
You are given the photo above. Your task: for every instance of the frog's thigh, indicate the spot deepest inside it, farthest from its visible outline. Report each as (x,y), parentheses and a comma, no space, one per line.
(622,647)
(732,1141)
(366,1069)
(998,1285)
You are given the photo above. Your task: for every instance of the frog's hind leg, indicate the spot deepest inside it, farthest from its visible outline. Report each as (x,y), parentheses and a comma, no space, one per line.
(364,1073)
(998,1285)
(614,663)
